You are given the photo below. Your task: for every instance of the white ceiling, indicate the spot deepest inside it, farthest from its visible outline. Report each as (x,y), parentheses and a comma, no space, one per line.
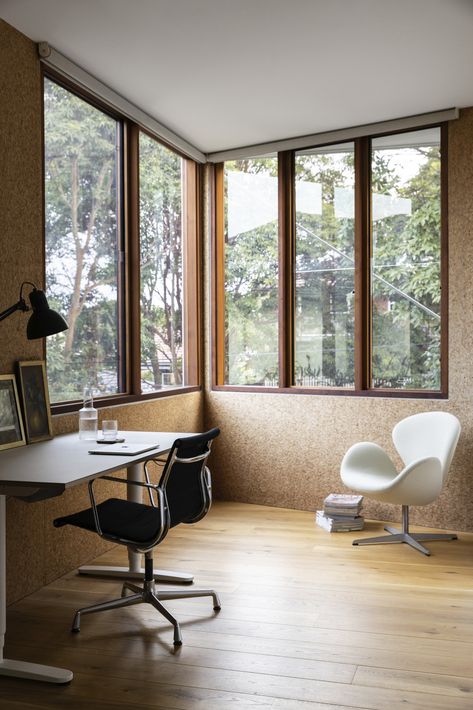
(230,73)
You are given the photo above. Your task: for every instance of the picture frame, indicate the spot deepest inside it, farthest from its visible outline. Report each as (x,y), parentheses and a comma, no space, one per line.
(12,432)
(35,400)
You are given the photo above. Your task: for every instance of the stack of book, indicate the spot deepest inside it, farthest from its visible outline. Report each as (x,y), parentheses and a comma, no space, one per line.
(341,513)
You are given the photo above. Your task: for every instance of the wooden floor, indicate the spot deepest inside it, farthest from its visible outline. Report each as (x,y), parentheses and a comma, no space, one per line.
(308,622)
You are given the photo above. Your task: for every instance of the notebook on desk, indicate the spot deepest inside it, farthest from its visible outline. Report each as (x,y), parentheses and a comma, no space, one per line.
(124,449)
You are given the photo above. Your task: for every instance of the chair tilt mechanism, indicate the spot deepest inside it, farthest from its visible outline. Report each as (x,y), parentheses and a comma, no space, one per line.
(183,495)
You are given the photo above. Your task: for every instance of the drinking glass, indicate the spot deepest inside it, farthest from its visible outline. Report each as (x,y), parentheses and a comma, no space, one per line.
(109,429)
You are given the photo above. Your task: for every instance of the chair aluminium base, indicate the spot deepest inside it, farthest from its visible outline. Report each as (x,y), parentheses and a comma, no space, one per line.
(148,595)
(412,539)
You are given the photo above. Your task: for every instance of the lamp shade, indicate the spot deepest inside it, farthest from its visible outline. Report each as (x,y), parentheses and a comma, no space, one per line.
(43,321)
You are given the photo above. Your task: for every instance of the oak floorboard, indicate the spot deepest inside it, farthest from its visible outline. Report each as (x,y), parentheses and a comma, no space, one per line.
(308,622)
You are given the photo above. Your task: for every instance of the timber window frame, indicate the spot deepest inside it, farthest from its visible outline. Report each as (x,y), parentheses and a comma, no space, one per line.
(129,339)
(363,254)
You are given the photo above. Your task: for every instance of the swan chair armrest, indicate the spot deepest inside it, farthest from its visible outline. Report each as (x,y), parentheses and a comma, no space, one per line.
(368,469)
(420,483)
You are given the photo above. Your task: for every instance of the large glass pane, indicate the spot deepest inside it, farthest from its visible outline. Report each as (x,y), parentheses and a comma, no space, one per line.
(406,260)
(324,267)
(81,176)
(161,291)
(251,272)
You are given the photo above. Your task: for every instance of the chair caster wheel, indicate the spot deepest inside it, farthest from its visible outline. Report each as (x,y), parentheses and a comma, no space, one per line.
(177,643)
(217,608)
(75,631)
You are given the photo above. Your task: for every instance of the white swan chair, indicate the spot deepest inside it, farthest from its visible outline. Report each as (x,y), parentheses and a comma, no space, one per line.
(426,443)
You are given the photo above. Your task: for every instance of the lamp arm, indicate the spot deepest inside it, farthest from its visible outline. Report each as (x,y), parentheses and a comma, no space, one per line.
(19,306)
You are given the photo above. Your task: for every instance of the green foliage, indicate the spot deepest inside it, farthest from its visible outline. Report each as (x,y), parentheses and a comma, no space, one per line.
(406,322)
(405,278)
(161,263)
(81,243)
(251,288)
(324,325)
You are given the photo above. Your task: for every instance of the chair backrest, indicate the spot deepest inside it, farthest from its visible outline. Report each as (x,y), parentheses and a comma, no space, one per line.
(186,480)
(427,434)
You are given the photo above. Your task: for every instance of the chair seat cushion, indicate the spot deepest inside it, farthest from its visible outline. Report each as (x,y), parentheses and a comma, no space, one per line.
(118,519)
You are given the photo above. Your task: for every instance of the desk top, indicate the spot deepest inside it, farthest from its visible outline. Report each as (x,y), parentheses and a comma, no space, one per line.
(64,461)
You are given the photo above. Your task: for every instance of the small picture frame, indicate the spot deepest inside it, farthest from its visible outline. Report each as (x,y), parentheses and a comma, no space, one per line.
(35,400)
(11,424)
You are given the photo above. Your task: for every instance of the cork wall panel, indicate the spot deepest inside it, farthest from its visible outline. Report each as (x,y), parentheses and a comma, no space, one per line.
(286,450)
(21,194)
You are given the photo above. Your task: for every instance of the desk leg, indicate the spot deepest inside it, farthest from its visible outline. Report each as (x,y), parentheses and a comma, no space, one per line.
(20,669)
(134,569)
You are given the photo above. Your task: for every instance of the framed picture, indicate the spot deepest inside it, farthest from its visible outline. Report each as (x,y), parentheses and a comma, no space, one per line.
(11,424)
(35,400)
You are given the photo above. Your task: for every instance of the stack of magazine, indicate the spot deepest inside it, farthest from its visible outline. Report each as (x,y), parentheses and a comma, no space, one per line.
(341,513)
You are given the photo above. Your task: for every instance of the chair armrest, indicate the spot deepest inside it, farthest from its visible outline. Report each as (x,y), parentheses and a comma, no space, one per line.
(208,481)
(160,504)
(159,462)
(124,480)
(420,483)
(365,466)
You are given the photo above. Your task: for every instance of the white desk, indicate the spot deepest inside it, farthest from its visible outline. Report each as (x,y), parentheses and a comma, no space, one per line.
(45,470)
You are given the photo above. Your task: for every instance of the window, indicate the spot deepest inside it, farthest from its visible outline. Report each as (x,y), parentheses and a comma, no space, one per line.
(360,302)
(83,242)
(122,255)
(324,269)
(251,272)
(161,251)
(406,250)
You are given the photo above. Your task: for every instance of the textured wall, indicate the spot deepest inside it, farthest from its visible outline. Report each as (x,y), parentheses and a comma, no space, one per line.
(36,552)
(285,450)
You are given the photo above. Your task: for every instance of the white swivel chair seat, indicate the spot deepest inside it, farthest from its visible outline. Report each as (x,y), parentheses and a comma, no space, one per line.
(426,443)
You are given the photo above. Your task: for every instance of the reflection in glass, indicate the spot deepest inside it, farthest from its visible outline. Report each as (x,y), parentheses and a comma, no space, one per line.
(81,146)
(161,265)
(251,272)
(324,267)
(405,274)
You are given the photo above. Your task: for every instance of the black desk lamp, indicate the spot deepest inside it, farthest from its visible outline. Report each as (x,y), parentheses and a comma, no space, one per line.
(43,321)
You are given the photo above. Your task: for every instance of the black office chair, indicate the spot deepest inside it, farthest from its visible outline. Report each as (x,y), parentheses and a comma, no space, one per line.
(184,495)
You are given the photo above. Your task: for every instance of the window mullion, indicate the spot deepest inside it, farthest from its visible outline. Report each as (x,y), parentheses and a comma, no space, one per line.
(444,256)
(219,280)
(122,278)
(286,268)
(133,224)
(362,265)
(192,266)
